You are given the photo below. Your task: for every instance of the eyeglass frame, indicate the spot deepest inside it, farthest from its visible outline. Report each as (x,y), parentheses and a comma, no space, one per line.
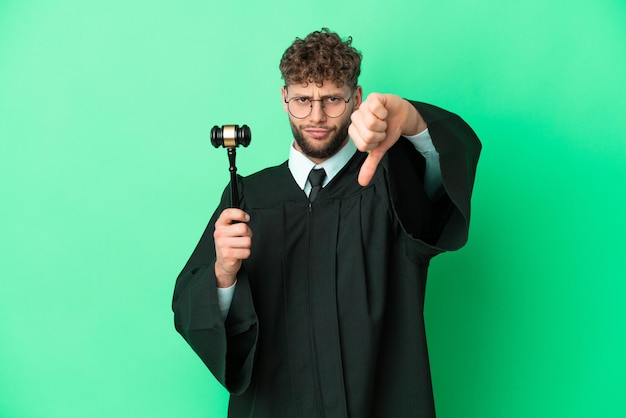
(346,101)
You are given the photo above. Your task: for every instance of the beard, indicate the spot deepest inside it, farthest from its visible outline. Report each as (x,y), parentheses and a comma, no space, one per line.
(338,137)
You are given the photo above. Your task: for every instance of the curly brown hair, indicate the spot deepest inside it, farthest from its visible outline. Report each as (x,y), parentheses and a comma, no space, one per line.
(321,56)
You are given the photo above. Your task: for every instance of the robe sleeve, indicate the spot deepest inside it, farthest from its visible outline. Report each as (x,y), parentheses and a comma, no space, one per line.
(441,223)
(226,347)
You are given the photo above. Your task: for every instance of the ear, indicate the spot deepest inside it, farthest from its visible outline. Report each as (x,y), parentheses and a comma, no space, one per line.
(283,93)
(357,97)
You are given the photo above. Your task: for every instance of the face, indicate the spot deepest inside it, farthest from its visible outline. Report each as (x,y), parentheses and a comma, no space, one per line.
(319,136)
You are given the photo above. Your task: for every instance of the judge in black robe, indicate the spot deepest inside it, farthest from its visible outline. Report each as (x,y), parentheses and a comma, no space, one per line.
(327,316)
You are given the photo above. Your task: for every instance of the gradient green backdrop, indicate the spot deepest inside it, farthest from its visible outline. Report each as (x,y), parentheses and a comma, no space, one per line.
(107,178)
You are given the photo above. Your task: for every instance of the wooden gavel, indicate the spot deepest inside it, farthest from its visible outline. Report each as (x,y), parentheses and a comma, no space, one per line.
(230,137)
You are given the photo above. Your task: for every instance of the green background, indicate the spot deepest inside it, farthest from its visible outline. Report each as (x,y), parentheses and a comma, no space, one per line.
(107,179)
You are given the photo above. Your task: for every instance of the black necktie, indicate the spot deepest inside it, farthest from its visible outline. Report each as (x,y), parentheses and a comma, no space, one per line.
(316,178)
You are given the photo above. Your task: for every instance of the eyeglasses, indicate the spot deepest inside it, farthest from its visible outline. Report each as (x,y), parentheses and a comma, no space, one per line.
(332,106)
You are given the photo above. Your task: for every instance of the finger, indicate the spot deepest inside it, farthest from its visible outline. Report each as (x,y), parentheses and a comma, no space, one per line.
(237,248)
(372,129)
(372,117)
(232,257)
(365,138)
(231,215)
(230,250)
(376,103)
(237,242)
(368,169)
(378,108)
(235,230)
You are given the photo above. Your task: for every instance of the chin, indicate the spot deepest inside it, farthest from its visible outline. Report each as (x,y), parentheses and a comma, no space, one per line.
(321,148)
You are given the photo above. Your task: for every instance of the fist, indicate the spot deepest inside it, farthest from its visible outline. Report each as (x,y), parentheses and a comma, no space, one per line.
(377,124)
(233,240)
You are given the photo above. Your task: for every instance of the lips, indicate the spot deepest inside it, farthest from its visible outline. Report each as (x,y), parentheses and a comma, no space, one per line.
(317,133)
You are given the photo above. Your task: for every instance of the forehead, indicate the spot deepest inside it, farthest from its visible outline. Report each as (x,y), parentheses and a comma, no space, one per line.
(314,90)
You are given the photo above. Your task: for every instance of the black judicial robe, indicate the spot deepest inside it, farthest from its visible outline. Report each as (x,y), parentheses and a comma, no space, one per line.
(327,316)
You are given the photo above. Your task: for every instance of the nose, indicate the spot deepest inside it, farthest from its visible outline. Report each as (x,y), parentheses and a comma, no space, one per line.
(317,112)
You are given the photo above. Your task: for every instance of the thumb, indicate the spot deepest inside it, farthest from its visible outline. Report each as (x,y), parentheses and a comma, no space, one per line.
(368,169)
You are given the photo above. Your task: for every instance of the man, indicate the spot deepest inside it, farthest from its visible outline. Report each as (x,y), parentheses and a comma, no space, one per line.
(308,301)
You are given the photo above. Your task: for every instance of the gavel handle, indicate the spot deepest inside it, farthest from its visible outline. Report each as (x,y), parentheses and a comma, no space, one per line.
(234,193)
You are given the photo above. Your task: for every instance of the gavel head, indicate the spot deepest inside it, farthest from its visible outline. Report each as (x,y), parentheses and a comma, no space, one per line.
(230,136)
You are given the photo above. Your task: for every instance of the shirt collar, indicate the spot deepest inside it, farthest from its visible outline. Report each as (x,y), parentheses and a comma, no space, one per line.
(300,166)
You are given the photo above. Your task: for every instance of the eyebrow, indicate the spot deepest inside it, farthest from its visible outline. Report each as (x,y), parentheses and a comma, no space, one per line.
(305,96)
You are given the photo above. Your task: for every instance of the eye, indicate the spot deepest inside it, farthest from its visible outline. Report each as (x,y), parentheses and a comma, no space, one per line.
(301,100)
(332,99)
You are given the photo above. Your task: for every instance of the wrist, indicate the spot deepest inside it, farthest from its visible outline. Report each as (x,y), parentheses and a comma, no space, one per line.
(414,123)
(224,279)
